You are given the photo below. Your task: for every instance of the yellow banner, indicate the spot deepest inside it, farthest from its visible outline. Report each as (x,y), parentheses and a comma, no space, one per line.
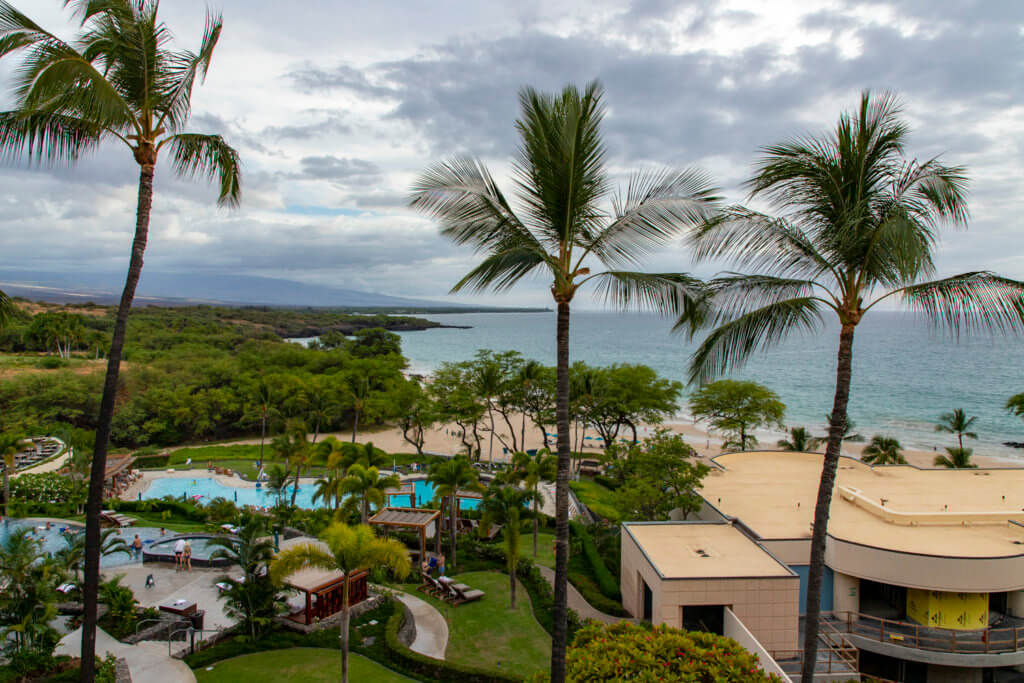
(957,611)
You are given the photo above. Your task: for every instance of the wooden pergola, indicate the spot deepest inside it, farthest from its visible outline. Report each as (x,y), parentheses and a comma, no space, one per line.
(406,489)
(325,593)
(409,518)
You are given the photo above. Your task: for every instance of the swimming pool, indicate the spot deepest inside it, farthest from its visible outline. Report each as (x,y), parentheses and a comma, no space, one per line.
(202,549)
(205,489)
(54,538)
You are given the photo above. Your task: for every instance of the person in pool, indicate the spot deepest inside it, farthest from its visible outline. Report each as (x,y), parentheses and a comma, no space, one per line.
(179,551)
(137,545)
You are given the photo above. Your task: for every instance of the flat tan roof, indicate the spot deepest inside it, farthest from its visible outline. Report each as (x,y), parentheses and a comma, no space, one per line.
(948,513)
(690,550)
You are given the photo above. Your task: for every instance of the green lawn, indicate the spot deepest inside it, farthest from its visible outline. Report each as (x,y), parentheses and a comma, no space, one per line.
(296,664)
(596,497)
(488,634)
(545,547)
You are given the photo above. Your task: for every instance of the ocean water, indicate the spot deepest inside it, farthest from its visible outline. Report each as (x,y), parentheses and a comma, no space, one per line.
(905,373)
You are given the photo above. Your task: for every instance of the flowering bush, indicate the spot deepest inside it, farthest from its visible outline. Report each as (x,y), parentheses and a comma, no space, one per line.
(48,487)
(626,652)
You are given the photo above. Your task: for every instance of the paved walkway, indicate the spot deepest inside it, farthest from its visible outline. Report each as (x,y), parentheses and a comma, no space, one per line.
(431,628)
(147,662)
(579,605)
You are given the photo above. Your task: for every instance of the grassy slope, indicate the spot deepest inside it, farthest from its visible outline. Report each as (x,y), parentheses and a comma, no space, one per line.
(596,497)
(488,634)
(297,664)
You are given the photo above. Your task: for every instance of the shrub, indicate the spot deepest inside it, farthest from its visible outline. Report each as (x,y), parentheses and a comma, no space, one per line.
(624,651)
(48,487)
(608,584)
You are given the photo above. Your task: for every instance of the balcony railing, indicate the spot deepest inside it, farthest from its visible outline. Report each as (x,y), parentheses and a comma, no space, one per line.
(909,634)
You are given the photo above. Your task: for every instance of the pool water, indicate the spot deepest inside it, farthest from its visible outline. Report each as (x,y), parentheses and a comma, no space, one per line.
(205,489)
(201,547)
(54,538)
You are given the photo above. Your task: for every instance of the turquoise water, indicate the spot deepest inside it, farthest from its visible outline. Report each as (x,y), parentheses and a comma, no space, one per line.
(905,373)
(53,538)
(205,489)
(201,547)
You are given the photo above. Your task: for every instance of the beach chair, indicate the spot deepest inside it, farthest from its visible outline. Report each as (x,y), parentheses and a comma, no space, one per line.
(462,593)
(432,586)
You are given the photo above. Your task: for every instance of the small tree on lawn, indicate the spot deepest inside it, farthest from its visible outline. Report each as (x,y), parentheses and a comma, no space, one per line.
(504,505)
(347,549)
(735,407)
(532,470)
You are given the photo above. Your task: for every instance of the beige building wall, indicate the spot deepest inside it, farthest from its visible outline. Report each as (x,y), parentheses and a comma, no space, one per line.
(768,607)
(1015,603)
(845,593)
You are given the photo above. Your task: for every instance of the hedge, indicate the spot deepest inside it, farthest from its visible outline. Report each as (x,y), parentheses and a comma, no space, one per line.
(189,511)
(606,582)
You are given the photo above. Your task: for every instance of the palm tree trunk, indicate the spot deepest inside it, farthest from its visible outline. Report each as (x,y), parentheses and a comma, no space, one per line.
(522,432)
(453,503)
(355,425)
(7,490)
(437,534)
(295,488)
(344,631)
(365,508)
(490,448)
(536,512)
(560,609)
(263,435)
(837,425)
(97,474)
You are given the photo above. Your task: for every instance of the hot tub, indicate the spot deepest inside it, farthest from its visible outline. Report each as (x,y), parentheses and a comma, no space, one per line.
(202,549)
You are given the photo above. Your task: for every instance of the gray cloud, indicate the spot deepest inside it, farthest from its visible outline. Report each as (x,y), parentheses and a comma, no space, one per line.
(346,171)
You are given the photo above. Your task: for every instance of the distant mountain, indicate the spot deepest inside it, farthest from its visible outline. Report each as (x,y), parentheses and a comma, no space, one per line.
(170,289)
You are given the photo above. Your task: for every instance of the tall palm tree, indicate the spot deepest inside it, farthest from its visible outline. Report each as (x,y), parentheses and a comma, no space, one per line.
(277,481)
(10,446)
(349,549)
(264,404)
(883,450)
(958,459)
(503,505)
(448,478)
(528,376)
(957,422)
(562,230)
(366,484)
(531,470)
(858,226)
(488,381)
(119,80)
(799,440)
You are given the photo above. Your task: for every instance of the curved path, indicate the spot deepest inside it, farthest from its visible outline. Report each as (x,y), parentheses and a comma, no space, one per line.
(431,628)
(579,605)
(148,662)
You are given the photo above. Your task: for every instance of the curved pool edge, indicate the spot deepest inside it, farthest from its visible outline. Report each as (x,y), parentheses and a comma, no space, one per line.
(149,556)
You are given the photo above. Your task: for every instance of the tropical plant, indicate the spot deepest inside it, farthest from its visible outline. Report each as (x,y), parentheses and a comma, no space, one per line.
(119,80)
(10,446)
(276,482)
(348,549)
(736,407)
(1015,405)
(849,434)
(530,377)
(562,230)
(883,450)
(254,600)
(531,470)
(120,602)
(799,440)
(488,382)
(657,477)
(28,600)
(959,423)
(263,399)
(858,226)
(449,477)
(504,505)
(72,556)
(957,459)
(366,484)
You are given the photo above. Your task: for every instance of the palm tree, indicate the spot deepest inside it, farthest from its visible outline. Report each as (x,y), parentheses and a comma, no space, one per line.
(264,405)
(532,470)
(119,80)
(858,227)
(503,505)
(368,486)
(277,481)
(958,459)
(448,478)
(72,557)
(254,600)
(957,422)
(562,230)
(883,450)
(799,440)
(10,446)
(348,549)
(529,375)
(488,381)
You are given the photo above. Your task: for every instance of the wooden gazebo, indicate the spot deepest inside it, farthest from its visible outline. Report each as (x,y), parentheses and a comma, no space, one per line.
(423,521)
(323,589)
(406,489)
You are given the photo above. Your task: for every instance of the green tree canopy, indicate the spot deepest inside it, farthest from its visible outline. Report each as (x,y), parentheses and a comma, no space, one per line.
(735,407)
(657,476)
(883,450)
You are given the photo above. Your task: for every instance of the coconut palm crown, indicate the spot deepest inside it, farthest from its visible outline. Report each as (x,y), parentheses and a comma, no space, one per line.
(857,226)
(561,228)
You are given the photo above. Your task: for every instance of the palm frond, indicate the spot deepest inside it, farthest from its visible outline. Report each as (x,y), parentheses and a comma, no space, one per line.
(209,156)
(49,138)
(176,101)
(673,294)
(731,343)
(304,556)
(503,268)
(735,294)
(655,208)
(976,301)
(462,195)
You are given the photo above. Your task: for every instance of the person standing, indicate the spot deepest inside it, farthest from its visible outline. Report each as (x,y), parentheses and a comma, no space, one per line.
(137,546)
(179,552)
(187,556)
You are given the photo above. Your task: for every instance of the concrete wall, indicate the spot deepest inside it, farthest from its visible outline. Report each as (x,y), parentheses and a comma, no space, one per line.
(735,629)
(1015,603)
(929,572)
(790,551)
(845,593)
(953,674)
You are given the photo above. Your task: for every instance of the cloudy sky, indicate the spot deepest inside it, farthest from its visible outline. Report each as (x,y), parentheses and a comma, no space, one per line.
(336,106)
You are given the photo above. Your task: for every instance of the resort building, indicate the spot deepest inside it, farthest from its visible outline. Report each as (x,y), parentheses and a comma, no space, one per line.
(924,576)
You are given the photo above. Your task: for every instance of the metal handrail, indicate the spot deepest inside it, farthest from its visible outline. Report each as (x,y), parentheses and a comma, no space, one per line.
(910,634)
(144,621)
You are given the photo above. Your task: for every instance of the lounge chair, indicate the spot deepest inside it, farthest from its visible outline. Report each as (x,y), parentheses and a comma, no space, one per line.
(462,593)
(432,586)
